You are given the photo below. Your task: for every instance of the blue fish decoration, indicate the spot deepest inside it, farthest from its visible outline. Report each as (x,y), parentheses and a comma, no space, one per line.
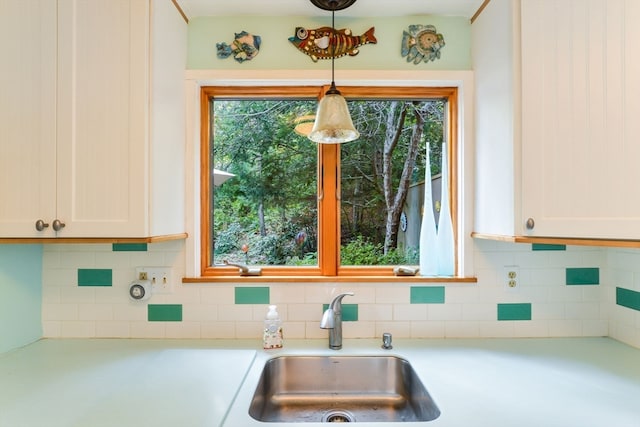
(422,43)
(244,47)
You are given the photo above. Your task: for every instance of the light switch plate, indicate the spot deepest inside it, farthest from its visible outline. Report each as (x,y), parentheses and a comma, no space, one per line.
(160,278)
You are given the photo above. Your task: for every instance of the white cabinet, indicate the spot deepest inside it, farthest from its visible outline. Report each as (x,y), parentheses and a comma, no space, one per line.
(557,118)
(496,57)
(580,118)
(112,137)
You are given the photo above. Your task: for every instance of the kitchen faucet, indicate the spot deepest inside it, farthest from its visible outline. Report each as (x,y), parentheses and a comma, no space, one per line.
(332,320)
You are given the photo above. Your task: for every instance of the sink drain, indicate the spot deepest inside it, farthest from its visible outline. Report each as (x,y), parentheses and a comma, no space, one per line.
(338,416)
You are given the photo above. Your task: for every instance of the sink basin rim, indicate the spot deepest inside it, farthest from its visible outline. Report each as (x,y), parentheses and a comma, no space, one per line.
(287,393)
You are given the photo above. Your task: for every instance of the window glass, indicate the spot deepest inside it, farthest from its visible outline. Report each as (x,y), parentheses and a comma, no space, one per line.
(296,207)
(267,213)
(383,178)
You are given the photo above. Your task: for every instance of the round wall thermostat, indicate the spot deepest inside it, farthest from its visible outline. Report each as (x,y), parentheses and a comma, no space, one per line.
(140,290)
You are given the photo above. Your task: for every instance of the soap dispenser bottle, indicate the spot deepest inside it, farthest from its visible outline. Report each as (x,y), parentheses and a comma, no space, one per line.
(272,329)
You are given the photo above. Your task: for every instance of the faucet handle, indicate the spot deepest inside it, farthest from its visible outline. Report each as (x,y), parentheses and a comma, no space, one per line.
(338,299)
(335,308)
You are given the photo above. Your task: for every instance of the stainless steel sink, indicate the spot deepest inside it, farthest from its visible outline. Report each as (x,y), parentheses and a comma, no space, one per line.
(341,389)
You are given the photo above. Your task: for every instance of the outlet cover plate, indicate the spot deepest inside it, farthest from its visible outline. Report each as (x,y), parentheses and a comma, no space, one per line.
(511,278)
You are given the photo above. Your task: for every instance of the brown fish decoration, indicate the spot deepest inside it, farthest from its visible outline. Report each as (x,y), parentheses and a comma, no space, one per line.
(321,43)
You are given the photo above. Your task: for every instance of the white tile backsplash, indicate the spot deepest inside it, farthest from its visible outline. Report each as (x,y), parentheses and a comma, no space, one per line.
(185,329)
(303,312)
(78,329)
(59,312)
(462,329)
(409,312)
(392,294)
(427,329)
(218,330)
(143,329)
(95,312)
(374,312)
(469,310)
(444,311)
(399,329)
(113,329)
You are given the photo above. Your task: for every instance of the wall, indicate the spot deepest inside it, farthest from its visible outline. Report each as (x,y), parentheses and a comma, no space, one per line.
(622,296)
(561,291)
(276,52)
(21,291)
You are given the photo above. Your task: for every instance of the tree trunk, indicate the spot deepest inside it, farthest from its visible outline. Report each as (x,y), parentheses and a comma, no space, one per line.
(395,201)
(261,222)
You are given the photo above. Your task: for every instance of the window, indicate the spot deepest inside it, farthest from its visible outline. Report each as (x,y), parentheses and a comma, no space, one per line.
(296,208)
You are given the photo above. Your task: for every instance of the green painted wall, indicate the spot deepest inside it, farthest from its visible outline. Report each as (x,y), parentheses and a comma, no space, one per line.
(20,295)
(277,52)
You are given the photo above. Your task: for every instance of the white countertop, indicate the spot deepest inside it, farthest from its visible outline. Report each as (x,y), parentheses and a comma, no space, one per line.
(119,383)
(563,382)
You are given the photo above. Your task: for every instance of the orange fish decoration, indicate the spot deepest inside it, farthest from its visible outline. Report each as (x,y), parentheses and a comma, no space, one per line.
(323,43)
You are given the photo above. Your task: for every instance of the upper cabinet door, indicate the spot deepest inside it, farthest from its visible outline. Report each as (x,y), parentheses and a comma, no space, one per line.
(27,117)
(581,118)
(103,117)
(91,134)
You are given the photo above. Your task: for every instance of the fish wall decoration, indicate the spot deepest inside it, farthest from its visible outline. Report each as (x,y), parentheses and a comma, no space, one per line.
(243,48)
(318,43)
(421,43)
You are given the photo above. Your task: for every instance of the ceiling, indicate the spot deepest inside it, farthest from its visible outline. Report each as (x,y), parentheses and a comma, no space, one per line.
(195,8)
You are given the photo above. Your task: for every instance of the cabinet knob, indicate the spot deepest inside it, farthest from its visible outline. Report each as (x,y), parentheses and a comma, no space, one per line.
(58,225)
(41,225)
(529,224)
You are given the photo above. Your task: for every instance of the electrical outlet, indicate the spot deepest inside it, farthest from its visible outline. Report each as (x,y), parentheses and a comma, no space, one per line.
(160,278)
(511,277)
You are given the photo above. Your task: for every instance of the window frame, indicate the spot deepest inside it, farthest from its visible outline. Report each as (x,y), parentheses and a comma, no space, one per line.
(329,158)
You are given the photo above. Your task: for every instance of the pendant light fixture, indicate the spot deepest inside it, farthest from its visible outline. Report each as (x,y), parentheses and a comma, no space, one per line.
(333,124)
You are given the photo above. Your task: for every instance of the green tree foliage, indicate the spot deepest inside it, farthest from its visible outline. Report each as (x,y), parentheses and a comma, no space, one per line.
(378,168)
(273,195)
(271,204)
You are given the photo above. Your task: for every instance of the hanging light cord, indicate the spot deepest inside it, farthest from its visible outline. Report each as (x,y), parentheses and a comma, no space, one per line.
(333,90)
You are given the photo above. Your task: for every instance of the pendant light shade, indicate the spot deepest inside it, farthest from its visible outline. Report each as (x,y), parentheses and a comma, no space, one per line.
(333,124)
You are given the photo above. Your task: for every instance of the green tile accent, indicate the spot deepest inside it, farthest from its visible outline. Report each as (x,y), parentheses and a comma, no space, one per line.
(427,295)
(252,295)
(547,247)
(583,276)
(164,312)
(95,277)
(520,311)
(349,312)
(129,247)
(628,298)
